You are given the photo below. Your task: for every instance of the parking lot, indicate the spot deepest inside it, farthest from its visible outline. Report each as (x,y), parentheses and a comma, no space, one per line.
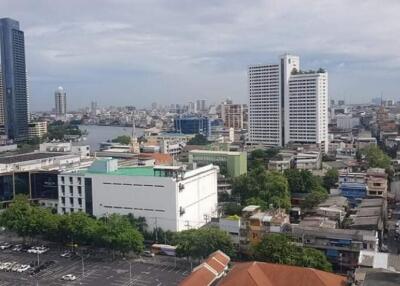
(145,271)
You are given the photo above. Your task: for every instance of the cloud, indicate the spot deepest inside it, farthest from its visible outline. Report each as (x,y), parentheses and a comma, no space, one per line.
(176,50)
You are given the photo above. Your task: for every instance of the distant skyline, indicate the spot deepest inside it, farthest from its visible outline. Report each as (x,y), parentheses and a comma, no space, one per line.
(126,52)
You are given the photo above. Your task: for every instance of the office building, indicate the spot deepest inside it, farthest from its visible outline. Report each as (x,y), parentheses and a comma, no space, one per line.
(193,125)
(232,164)
(13,71)
(60,98)
(288,105)
(201,106)
(168,197)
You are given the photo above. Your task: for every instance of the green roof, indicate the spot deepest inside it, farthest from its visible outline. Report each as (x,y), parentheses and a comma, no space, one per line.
(129,171)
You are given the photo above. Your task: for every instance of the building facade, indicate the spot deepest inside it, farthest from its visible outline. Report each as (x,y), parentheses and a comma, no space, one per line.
(14,90)
(167,196)
(233,115)
(37,129)
(288,105)
(193,125)
(232,164)
(60,101)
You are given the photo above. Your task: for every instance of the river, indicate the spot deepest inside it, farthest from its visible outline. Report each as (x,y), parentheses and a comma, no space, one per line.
(97,134)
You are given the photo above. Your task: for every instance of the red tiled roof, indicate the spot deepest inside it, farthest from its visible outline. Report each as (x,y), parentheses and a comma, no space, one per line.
(209,271)
(268,274)
(201,276)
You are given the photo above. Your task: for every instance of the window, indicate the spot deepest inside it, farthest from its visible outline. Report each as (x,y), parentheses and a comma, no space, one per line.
(79,190)
(71,190)
(63,201)
(71,201)
(79,180)
(70,180)
(63,180)
(80,202)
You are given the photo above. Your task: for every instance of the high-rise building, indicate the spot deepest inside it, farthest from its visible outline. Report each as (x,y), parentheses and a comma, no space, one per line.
(288,105)
(2,127)
(232,115)
(60,98)
(13,71)
(201,105)
(93,108)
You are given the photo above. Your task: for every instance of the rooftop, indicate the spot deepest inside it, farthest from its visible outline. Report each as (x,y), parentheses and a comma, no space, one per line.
(128,171)
(268,274)
(29,157)
(232,153)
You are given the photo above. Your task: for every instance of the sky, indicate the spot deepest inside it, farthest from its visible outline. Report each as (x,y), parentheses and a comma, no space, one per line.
(131,52)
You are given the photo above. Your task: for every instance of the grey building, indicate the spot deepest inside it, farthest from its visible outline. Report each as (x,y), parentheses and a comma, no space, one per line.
(60,98)
(13,78)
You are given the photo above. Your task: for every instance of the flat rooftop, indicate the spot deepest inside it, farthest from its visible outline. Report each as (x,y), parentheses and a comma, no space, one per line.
(231,153)
(29,157)
(128,171)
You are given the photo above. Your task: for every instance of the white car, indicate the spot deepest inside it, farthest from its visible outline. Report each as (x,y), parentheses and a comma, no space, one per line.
(23,268)
(3,265)
(15,267)
(5,245)
(69,277)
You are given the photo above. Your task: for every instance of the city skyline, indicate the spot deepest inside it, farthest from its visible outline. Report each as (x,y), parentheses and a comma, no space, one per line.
(204,51)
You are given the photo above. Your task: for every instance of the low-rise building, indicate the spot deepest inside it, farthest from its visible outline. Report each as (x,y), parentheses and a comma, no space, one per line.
(232,164)
(377,182)
(37,129)
(169,197)
(341,246)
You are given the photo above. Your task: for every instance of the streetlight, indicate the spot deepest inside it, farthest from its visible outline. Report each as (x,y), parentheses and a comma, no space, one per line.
(130,269)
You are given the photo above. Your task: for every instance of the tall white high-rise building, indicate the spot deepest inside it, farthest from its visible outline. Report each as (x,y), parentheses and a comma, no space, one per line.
(60,98)
(288,105)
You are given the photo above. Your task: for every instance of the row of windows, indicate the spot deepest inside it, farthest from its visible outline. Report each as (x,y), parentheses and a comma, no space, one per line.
(136,185)
(129,208)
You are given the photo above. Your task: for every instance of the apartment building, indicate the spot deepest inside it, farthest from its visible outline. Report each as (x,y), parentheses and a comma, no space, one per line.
(287,104)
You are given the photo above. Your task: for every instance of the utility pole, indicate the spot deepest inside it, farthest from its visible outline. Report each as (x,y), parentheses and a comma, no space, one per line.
(187,224)
(156,229)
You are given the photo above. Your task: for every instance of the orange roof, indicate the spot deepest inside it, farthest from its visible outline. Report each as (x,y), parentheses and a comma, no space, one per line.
(160,159)
(203,275)
(268,274)
(207,272)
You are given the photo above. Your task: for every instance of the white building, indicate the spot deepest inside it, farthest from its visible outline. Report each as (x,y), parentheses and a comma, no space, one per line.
(167,196)
(346,121)
(288,105)
(306,110)
(60,98)
(66,147)
(37,129)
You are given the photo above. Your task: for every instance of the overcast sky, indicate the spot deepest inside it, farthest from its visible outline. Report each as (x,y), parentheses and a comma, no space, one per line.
(121,52)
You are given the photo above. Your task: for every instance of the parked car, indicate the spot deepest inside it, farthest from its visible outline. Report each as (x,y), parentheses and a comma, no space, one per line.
(23,268)
(18,247)
(9,266)
(15,267)
(69,277)
(148,253)
(5,245)
(66,254)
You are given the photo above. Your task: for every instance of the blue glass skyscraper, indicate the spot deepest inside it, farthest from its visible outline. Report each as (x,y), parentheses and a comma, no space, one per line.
(13,78)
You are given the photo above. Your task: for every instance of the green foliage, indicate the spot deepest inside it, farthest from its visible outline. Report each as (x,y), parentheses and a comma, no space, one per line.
(199,243)
(115,232)
(58,129)
(314,198)
(123,139)
(300,181)
(232,208)
(278,248)
(376,158)
(330,179)
(268,188)
(261,157)
(198,139)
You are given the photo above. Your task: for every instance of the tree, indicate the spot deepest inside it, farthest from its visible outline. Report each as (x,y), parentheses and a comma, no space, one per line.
(118,234)
(266,187)
(314,198)
(278,248)
(77,227)
(300,181)
(198,139)
(330,179)
(123,139)
(199,243)
(232,208)
(376,158)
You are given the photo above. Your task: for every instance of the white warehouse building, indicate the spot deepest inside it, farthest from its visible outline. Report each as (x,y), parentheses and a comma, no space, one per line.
(169,197)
